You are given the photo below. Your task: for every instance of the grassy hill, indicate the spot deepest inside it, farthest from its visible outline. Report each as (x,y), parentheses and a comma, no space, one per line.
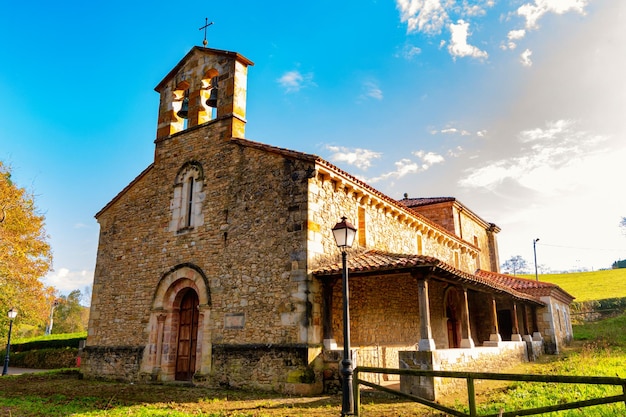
(586,286)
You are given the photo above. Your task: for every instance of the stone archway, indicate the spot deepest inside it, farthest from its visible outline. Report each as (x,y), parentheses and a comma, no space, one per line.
(161,353)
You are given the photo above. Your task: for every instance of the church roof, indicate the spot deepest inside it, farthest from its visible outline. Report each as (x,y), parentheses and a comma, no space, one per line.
(424,201)
(376,262)
(528,286)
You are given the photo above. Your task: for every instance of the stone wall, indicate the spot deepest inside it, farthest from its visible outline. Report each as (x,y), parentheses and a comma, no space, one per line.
(480,359)
(279,368)
(388,225)
(466,226)
(554,324)
(112,362)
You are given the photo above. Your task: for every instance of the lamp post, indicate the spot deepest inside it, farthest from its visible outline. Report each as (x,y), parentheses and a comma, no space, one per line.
(535,252)
(55,303)
(12,314)
(344,234)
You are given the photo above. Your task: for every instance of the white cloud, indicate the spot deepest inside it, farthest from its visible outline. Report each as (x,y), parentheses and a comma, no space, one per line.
(456,152)
(428,16)
(406,166)
(372,90)
(532,12)
(451,131)
(408,52)
(428,158)
(66,281)
(458,42)
(294,81)
(361,158)
(548,160)
(513,36)
(525,58)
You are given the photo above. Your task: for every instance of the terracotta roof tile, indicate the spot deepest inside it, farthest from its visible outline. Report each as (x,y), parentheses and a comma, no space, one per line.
(424,201)
(380,262)
(528,286)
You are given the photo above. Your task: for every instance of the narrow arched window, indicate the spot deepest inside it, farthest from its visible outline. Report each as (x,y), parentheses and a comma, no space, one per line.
(186,204)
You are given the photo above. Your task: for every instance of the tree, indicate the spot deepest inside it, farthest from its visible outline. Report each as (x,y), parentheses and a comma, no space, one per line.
(25,256)
(515,265)
(69,315)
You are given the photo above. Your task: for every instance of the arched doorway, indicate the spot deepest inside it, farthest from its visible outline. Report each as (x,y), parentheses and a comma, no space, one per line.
(453,315)
(181,296)
(187,336)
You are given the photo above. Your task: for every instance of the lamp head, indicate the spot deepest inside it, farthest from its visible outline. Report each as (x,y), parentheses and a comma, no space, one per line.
(12,313)
(344,233)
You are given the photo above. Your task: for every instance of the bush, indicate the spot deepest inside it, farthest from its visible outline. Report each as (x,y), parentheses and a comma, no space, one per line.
(45,358)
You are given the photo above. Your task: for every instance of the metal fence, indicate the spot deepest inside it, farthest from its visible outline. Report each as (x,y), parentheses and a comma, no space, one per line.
(471,377)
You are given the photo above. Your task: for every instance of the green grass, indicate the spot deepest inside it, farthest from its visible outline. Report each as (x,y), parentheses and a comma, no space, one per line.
(585,286)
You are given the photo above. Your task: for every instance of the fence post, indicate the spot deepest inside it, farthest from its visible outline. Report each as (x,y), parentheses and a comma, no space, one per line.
(356,393)
(471,396)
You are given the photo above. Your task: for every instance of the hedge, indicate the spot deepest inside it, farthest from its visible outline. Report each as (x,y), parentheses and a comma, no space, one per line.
(46,344)
(45,358)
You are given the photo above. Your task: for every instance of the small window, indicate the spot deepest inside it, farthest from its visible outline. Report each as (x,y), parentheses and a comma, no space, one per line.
(419,245)
(190,195)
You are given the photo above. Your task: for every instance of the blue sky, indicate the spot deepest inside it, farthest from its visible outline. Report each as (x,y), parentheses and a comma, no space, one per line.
(516,108)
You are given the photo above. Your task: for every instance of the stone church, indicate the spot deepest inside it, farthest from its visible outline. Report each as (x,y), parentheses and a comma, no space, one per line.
(217,264)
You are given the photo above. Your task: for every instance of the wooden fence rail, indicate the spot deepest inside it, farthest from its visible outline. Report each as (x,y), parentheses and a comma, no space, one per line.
(470,377)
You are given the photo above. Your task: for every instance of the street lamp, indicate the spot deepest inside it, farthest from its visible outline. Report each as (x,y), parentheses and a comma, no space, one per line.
(535,252)
(12,314)
(344,234)
(55,303)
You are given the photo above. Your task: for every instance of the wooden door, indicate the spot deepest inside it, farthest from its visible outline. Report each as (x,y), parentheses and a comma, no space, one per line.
(187,337)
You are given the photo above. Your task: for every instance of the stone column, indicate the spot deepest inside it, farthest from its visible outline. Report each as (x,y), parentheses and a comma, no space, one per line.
(467,342)
(494,337)
(327,314)
(426,342)
(527,337)
(516,336)
(536,332)
(159,342)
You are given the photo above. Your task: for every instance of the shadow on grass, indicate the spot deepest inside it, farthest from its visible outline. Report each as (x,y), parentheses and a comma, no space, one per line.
(58,393)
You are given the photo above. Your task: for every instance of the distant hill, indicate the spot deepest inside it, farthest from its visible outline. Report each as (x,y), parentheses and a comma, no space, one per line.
(586,286)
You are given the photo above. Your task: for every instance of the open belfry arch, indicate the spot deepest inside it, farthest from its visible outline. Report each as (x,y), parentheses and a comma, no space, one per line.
(217,265)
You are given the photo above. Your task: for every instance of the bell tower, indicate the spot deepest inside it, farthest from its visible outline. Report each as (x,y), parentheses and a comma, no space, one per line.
(206,86)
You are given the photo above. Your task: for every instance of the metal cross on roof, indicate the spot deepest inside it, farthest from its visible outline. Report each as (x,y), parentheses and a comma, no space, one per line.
(206,25)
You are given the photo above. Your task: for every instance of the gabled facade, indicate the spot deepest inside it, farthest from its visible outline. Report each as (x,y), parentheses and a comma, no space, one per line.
(217,264)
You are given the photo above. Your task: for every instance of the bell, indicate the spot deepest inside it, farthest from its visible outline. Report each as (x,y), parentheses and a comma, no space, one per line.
(212,100)
(184,109)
